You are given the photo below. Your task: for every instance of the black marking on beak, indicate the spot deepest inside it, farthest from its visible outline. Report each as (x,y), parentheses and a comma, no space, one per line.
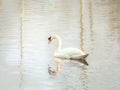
(49,38)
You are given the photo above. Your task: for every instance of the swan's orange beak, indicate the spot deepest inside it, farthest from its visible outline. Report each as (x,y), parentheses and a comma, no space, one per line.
(49,41)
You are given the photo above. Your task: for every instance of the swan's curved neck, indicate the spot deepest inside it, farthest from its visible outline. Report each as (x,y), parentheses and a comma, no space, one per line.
(59,43)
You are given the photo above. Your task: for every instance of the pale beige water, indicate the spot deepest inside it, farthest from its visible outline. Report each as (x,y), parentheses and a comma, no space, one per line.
(92,25)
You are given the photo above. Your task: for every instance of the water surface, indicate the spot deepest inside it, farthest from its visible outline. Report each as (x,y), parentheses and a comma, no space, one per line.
(25,54)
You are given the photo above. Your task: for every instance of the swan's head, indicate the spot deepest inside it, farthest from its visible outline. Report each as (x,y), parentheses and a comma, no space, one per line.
(51,38)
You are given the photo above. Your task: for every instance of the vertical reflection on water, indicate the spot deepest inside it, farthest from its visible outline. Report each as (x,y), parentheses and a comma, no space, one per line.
(21,75)
(21,44)
(91,22)
(84,78)
(0,3)
(22,28)
(82,24)
(114,35)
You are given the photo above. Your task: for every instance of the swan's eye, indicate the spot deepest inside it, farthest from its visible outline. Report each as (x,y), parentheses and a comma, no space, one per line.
(49,38)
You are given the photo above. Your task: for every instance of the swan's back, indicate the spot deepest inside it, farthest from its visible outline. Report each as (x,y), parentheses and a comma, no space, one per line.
(72,51)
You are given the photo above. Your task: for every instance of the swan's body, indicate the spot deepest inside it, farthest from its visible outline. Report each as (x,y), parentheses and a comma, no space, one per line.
(67,53)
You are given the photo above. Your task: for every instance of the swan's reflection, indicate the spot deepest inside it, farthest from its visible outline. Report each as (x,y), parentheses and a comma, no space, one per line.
(58,64)
(83,78)
(57,72)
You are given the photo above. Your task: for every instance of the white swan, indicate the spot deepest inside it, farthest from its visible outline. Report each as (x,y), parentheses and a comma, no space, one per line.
(67,53)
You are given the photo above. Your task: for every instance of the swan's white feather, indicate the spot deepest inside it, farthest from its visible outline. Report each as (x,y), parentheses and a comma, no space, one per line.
(69,53)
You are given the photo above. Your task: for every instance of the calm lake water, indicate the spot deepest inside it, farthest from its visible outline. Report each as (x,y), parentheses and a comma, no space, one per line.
(92,25)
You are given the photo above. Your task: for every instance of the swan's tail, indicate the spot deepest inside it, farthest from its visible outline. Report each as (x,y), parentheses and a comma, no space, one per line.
(84,56)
